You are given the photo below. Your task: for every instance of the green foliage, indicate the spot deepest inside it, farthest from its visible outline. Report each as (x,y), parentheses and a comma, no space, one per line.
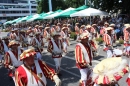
(72,35)
(112,6)
(121,41)
(74,3)
(5,30)
(99,39)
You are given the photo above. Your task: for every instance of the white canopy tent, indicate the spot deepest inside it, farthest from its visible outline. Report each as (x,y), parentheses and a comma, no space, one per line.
(89,12)
(58,13)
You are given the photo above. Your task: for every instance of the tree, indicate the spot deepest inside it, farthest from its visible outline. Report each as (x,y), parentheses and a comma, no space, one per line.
(74,3)
(42,6)
(112,6)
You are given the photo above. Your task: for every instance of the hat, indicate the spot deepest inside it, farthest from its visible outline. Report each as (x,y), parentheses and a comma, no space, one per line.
(108,28)
(37,33)
(47,28)
(12,30)
(36,25)
(76,23)
(53,25)
(64,28)
(106,23)
(58,24)
(55,33)
(117,52)
(126,25)
(82,26)
(84,35)
(40,26)
(68,25)
(94,25)
(30,34)
(64,25)
(27,53)
(112,25)
(29,27)
(13,42)
(88,26)
(109,70)
(5,38)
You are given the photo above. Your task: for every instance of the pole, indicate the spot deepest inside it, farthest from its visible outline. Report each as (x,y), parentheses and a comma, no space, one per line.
(30,8)
(50,5)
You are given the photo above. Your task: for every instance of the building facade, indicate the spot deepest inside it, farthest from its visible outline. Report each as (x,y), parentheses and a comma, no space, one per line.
(12,9)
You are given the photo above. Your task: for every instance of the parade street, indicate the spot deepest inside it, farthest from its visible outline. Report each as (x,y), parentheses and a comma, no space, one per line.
(70,73)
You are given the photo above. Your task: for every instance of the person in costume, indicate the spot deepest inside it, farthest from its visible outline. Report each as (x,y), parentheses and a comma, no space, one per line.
(127,41)
(77,31)
(84,56)
(47,34)
(34,72)
(108,41)
(109,71)
(55,47)
(11,58)
(64,36)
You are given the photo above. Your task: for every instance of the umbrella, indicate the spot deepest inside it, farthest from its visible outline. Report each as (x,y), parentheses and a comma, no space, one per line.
(81,8)
(14,21)
(89,12)
(53,15)
(8,22)
(66,14)
(69,9)
(44,15)
(24,19)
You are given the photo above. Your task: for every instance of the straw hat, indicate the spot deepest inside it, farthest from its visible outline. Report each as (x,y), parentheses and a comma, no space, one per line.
(58,24)
(36,25)
(13,42)
(40,26)
(37,33)
(29,27)
(82,26)
(55,33)
(106,23)
(47,28)
(63,28)
(108,28)
(94,25)
(27,53)
(112,25)
(64,25)
(88,26)
(84,35)
(126,25)
(76,23)
(31,34)
(109,70)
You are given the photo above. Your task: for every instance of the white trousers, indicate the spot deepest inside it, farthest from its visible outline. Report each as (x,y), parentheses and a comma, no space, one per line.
(109,53)
(65,46)
(39,56)
(57,64)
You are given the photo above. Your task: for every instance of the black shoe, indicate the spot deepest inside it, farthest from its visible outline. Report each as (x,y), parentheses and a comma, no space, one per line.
(59,74)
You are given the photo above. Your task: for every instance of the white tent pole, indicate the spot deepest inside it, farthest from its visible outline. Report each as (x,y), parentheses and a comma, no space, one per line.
(50,5)
(90,19)
(30,8)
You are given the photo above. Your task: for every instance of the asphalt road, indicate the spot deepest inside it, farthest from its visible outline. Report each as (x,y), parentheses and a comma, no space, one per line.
(70,74)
